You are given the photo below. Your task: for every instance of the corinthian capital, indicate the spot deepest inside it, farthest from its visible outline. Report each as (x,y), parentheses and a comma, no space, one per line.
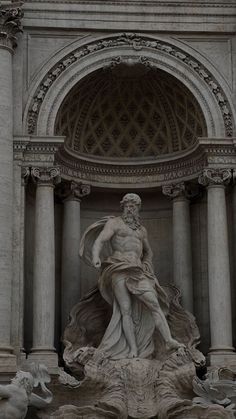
(174,190)
(10,23)
(210,177)
(73,191)
(45,176)
(181,190)
(25,174)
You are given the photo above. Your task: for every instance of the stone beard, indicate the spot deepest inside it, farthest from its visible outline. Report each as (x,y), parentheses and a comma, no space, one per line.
(131,217)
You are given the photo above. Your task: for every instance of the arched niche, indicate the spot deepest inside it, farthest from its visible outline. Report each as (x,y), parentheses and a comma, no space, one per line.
(85,56)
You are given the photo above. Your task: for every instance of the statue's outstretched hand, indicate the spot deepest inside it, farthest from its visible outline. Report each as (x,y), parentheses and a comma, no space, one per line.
(96,262)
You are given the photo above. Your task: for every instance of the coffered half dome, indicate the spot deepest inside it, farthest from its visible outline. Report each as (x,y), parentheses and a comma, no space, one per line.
(129,112)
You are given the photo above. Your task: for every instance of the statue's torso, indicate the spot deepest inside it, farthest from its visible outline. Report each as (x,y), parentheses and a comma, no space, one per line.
(127,241)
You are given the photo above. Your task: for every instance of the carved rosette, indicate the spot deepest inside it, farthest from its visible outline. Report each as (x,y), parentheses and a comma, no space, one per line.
(10,24)
(215,177)
(73,191)
(46,176)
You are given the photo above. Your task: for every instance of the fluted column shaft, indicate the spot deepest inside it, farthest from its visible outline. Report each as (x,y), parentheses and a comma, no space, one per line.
(9,26)
(218,264)
(182,252)
(44,264)
(72,193)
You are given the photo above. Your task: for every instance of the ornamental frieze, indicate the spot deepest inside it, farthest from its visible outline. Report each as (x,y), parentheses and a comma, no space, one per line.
(137,43)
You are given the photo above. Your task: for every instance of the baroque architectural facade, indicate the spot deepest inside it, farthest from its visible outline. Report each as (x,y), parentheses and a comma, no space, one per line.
(99,98)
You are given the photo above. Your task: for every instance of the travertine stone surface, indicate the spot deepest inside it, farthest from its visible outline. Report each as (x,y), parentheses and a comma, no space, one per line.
(21,176)
(44,266)
(9,26)
(182,253)
(218,265)
(70,276)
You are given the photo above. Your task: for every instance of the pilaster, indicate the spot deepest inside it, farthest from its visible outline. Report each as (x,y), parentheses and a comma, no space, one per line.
(10,25)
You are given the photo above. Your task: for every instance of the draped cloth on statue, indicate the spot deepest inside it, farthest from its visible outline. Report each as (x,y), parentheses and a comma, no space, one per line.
(138,280)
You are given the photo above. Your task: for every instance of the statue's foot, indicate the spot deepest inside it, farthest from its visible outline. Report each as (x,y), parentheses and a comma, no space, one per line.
(175,345)
(133,353)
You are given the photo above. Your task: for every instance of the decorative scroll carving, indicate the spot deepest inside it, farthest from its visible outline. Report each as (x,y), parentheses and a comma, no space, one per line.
(211,177)
(10,23)
(175,190)
(73,191)
(47,176)
(180,190)
(137,43)
(25,173)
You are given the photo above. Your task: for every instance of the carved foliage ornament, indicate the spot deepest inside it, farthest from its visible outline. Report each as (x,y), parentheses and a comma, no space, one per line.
(47,176)
(180,190)
(137,43)
(73,191)
(211,177)
(10,24)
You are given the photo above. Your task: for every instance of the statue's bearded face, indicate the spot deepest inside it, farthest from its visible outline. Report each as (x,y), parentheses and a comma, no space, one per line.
(131,214)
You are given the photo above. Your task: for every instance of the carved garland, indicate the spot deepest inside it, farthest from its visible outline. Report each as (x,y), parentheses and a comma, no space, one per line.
(137,43)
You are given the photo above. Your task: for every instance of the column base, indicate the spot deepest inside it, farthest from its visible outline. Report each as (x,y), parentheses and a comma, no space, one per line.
(222,358)
(8,363)
(46,357)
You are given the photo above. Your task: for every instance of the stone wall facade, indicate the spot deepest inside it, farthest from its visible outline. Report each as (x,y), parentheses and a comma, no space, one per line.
(100,98)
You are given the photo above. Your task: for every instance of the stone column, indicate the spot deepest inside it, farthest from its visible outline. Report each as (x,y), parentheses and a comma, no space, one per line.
(9,25)
(21,175)
(44,268)
(72,194)
(182,251)
(221,351)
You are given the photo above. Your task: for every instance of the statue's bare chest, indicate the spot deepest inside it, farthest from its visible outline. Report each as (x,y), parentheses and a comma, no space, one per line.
(125,232)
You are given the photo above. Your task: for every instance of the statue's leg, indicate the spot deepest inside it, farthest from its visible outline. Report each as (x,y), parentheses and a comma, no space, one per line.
(151,301)
(123,298)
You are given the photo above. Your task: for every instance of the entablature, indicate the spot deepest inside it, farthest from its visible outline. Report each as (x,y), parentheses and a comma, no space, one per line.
(161,16)
(119,173)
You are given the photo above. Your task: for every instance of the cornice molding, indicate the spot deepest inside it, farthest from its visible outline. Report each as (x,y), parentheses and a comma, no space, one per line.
(208,153)
(148,3)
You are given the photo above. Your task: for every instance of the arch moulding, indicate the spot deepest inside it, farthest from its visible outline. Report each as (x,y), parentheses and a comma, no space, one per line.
(88,55)
(84,57)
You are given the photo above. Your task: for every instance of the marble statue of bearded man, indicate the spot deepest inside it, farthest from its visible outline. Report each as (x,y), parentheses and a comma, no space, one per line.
(119,247)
